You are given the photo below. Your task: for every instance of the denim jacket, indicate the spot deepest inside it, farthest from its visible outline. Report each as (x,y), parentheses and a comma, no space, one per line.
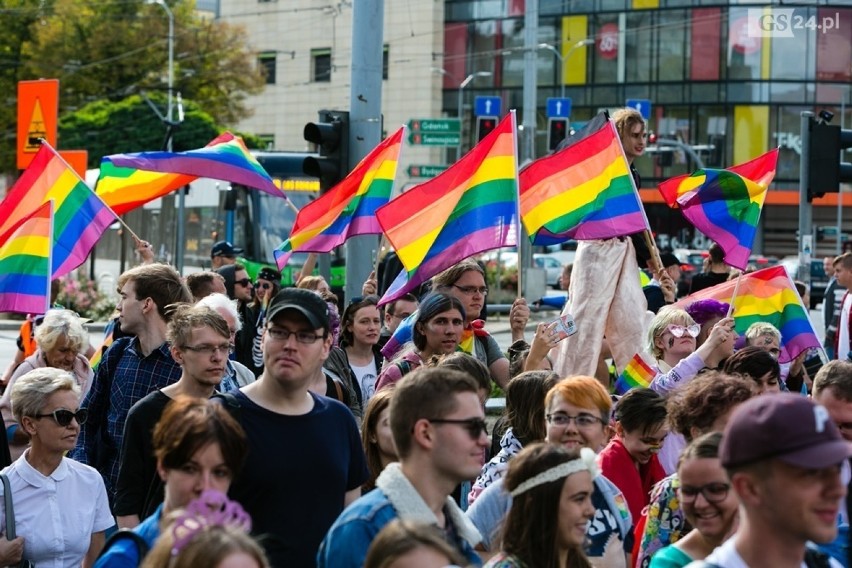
(346,544)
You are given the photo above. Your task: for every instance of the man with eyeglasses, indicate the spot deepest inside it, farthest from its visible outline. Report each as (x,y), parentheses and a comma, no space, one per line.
(782,453)
(305,460)
(240,288)
(132,367)
(200,344)
(439,431)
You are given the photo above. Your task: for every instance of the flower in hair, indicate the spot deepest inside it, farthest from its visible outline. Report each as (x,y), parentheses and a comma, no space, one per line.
(211,509)
(586,462)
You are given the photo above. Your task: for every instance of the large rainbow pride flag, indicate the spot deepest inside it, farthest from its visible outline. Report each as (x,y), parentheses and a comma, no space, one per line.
(766,295)
(469,208)
(79,216)
(347,209)
(583,191)
(25,264)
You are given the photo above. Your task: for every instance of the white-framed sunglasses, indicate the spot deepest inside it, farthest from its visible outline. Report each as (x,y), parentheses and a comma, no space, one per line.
(678,330)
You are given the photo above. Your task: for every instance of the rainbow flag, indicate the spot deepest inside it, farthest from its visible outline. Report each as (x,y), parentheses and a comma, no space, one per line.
(25,264)
(470,207)
(225,158)
(637,374)
(79,216)
(725,205)
(584,191)
(347,209)
(769,296)
(761,170)
(96,357)
(125,189)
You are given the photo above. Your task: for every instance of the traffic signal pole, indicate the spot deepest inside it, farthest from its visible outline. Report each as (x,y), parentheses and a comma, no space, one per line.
(365,116)
(805,220)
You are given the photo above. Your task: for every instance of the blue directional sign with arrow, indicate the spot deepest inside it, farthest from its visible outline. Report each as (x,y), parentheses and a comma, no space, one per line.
(487,106)
(558,107)
(642,105)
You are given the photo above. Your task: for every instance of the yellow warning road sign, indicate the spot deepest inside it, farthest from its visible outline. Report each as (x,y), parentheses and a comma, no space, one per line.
(38,109)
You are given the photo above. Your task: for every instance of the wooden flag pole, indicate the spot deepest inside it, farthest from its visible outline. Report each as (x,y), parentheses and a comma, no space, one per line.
(734,297)
(656,261)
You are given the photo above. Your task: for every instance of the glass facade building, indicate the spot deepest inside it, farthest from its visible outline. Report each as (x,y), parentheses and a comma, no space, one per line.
(729,78)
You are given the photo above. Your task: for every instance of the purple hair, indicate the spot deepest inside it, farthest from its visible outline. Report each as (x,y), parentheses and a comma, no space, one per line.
(703,311)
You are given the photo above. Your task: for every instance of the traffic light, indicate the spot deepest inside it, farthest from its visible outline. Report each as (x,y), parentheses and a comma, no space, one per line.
(484,126)
(826,171)
(557,130)
(330,134)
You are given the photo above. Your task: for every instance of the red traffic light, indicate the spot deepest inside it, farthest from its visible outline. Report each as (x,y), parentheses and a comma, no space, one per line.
(557,130)
(484,126)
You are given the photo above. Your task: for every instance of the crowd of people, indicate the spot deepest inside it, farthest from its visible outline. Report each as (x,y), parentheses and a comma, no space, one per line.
(235,424)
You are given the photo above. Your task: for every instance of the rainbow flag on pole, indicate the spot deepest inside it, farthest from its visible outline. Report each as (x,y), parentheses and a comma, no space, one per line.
(637,374)
(725,205)
(347,209)
(470,207)
(25,264)
(225,158)
(584,191)
(769,296)
(79,216)
(125,189)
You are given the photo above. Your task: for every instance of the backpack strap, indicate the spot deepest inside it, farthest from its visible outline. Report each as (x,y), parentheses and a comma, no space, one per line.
(404,367)
(816,558)
(231,403)
(122,534)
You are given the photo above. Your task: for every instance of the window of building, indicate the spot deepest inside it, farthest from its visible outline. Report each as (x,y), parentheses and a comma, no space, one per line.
(385,61)
(268,140)
(266,62)
(321,65)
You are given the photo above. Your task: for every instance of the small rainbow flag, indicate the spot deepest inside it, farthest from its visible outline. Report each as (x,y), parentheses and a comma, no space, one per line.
(225,158)
(79,216)
(637,374)
(98,355)
(584,191)
(769,296)
(725,205)
(469,208)
(347,209)
(25,264)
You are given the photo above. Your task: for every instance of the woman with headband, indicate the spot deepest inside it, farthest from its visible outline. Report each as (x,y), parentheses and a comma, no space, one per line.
(551,490)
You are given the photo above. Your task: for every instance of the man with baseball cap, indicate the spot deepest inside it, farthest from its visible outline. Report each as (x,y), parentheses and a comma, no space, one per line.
(783,454)
(223,253)
(305,461)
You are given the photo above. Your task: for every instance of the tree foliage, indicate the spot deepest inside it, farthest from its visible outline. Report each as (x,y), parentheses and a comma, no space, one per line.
(105,52)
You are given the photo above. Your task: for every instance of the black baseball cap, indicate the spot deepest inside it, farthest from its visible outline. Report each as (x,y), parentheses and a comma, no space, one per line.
(224,248)
(306,302)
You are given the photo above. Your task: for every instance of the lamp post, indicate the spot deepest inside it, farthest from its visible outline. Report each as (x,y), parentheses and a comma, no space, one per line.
(169,132)
(464,84)
(547,46)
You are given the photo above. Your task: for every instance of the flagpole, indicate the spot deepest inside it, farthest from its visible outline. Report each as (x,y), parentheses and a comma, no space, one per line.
(67,165)
(49,256)
(518,227)
(734,297)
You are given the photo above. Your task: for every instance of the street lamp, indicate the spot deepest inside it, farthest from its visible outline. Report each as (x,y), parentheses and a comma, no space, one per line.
(171,78)
(547,46)
(464,84)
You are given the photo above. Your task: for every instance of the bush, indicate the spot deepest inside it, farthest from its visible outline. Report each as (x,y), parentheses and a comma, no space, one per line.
(80,294)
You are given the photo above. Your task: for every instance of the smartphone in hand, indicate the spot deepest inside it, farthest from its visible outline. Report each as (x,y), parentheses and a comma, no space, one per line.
(565,326)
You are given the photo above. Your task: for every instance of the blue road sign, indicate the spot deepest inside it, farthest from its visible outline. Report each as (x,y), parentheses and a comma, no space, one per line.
(558,107)
(642,105)
(487,106)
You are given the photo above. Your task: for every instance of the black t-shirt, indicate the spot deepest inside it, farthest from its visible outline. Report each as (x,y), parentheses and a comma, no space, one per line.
(707,280)
(296,475)
(139,490)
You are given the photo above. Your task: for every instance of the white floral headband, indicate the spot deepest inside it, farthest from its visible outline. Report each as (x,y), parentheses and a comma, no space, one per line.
(586,462)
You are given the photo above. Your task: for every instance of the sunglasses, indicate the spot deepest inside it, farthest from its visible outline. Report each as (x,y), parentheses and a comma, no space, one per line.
(263,285)
(475,426)
(63,416)
(678,330)
(244,282)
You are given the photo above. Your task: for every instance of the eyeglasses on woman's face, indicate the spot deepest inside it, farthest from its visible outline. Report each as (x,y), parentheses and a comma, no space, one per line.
(712,492)
(680,330)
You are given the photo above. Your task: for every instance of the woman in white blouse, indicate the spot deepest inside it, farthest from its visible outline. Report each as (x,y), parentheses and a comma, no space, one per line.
(61,507)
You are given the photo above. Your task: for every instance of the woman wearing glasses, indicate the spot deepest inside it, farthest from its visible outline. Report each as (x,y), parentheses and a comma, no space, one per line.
(61,341)
(267,287)
(466,281)
(672,341)
(61,507)
(707,501)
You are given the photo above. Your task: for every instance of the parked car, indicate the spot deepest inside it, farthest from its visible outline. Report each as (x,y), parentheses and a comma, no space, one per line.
(819,279)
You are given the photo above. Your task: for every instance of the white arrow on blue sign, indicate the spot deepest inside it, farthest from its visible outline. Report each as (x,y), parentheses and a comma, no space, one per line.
(487,106)
(642,105)
(558,107)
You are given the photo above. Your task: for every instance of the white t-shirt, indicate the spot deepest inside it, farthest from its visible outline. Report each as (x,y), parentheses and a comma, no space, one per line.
(366,377)
(843,342)
(727,556)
